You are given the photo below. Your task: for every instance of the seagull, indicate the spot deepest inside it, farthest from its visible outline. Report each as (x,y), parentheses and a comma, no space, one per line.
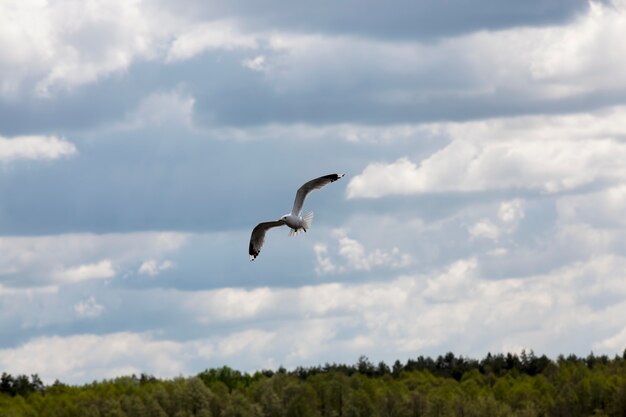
(294,220)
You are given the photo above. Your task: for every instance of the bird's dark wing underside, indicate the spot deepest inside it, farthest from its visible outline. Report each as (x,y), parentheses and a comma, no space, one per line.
(307,187)
(258,237)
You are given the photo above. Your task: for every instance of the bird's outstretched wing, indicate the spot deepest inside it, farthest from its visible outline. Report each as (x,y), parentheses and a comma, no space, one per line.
(258,237)
(315,184)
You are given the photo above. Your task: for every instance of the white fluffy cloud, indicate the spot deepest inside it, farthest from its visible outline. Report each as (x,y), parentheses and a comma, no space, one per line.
(64,44)
(72,258)
(255,64)
(511,153)
(577,53)
(542,63)
(458,281)
(205,36)
(356,257)
(592,222)
(511,211)
(162,108)
(325,264)
(82,358)
(484,229)
(100,270)
(464,166)
(245,342)
(612,343)
(509,214)
(35,148)
(88,308)
(230,304)
(152,267)
(603,209)
(574,308)
(454,296)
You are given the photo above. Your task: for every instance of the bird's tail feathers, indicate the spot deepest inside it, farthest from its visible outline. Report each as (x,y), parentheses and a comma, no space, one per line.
(307,220)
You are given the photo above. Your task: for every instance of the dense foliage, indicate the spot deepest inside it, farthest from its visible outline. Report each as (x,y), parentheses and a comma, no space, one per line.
(498,385)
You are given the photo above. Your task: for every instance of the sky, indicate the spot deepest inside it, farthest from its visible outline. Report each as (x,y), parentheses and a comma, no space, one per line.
(482,208)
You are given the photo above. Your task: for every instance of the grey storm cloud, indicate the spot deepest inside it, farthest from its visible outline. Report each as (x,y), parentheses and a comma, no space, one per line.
(423,20)
(226,94)
(331,71)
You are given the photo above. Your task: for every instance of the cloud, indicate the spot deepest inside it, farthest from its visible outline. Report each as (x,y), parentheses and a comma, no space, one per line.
(161,108)
(457,281)
(602,209)
(206,36)
(245,342)
(109,37)
(255,64)
(346,76)
(511,211)
(592,222)
(574,307)
(88,308)
(398,20)
(64,44)
(356,257)
(512,71)
(35,148)
(152,267)
(574,53)
(100,270)
(324,264)
(508,215)
(28,292)
(74,258)
(83,358)
(86,357)
(230,304)
(552,167)
(613,343)
(484,229)
(504,155)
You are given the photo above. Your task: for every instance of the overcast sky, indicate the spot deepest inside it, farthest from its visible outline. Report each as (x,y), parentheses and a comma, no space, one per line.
(484,147)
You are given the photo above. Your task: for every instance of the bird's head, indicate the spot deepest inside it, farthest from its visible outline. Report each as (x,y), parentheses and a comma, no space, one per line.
(284,218)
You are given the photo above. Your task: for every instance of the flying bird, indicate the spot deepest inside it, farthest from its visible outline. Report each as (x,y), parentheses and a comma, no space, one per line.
(294,220)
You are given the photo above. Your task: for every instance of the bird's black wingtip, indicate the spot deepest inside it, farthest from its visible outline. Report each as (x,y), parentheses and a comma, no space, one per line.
(334,177)
(253,252)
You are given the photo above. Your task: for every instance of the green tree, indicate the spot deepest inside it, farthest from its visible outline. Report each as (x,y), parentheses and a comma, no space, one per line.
(241,406)
(358,404)
(300,400)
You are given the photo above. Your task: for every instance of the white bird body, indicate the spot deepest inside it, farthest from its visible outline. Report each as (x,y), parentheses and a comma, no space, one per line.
(294,220)
(298,223)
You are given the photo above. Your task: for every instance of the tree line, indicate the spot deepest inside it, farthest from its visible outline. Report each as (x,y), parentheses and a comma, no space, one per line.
(522,385)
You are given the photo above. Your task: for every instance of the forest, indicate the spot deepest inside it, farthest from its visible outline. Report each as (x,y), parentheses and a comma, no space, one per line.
(522,385)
